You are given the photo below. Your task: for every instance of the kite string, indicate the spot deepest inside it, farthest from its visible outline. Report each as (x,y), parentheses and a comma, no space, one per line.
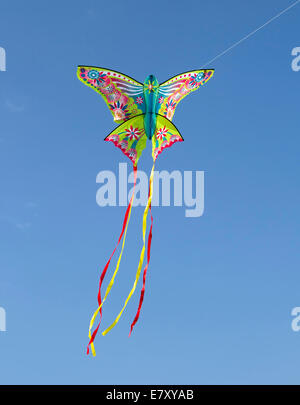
(251,33)
(124,228)
(141,255)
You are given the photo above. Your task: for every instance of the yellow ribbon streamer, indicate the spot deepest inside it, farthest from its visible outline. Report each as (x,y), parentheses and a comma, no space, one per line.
(141,256)
(111,281)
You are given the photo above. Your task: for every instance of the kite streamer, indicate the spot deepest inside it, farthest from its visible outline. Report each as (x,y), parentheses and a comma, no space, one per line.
(143,111)
(141,256)
(124,229)
(144,274)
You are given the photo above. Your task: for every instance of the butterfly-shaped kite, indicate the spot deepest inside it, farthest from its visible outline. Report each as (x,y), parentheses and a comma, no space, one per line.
(142,110)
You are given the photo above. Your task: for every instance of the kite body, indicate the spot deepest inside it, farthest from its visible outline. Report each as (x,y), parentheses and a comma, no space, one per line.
(143,111)
(151,102)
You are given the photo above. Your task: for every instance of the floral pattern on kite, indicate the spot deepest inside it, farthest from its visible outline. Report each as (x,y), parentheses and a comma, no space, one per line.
(165,136)
(170,109)
(130,138)
(121,93)
(175,89)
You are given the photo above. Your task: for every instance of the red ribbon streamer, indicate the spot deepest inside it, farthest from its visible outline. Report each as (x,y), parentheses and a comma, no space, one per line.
(107,264)
(144,275)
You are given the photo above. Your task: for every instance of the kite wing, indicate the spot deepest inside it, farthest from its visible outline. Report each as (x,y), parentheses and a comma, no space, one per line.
(122,94)
(166,134)
(130,137)
(172,91)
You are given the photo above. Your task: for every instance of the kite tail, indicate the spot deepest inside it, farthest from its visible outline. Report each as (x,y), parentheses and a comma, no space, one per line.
(100,303)
(141,255)
(144,274)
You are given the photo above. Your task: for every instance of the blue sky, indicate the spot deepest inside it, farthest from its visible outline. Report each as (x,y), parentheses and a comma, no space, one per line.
(221,287)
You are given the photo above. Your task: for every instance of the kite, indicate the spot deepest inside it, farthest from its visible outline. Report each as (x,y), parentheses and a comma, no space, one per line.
(143,111)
